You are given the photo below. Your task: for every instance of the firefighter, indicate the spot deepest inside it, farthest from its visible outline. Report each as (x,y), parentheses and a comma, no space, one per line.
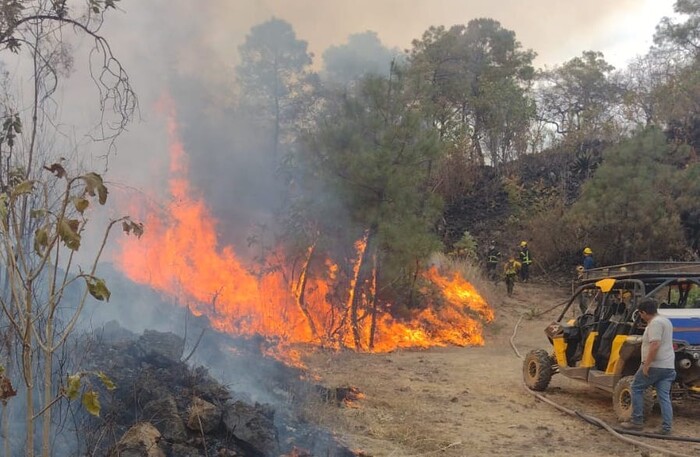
(588,260)
(510,271)
(493,258)
(525,261)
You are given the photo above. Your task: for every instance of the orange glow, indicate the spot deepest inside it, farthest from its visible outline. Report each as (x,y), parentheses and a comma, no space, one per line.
(179,255)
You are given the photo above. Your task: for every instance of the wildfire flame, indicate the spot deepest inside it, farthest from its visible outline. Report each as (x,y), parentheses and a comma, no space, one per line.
(179,256)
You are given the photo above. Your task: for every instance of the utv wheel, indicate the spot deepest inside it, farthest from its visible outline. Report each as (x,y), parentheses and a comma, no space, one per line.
(538,369)
(622,399)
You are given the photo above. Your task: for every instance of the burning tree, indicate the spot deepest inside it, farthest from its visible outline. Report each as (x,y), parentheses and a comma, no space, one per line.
(321,285)
(44,206)
(374,152)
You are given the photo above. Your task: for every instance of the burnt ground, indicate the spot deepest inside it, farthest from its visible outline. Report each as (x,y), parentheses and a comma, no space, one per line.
(457,401)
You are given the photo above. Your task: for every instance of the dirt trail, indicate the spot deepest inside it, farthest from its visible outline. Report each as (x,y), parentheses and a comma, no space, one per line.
(470,401)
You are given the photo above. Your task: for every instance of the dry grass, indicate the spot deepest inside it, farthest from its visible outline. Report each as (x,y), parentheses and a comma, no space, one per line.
(469,271)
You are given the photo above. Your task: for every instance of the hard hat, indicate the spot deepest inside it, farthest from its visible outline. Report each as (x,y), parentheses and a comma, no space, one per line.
(587,251)
(523,244)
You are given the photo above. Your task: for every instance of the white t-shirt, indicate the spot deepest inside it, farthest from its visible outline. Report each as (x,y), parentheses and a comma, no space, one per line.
(659,329)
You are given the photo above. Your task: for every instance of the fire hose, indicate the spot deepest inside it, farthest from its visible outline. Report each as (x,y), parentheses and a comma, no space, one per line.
(617,433)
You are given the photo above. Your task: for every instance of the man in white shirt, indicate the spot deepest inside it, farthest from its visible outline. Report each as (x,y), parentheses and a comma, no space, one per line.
(657,368)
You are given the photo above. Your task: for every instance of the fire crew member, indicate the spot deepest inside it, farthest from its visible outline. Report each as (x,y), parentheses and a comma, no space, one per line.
(493,257)
(588,260)
(510,271)
(525,261)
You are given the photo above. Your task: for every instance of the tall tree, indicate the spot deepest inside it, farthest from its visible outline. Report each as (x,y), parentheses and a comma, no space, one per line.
(628,208)
(682,38)
(470,81)
(642,82)
(276,80)
(579,98)
(367,165)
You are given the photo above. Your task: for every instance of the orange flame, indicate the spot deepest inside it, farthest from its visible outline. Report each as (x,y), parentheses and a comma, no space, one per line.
(179,256)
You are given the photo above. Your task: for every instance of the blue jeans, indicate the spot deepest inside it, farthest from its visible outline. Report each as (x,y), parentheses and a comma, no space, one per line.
(661,379)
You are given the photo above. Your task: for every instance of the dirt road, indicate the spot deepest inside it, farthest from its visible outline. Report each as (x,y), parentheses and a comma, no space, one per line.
(470,401)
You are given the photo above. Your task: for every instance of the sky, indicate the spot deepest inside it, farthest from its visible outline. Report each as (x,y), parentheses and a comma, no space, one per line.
(556,29)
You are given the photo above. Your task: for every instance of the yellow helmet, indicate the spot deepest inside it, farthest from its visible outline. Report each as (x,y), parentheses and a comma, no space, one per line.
(523,244)
(587,251)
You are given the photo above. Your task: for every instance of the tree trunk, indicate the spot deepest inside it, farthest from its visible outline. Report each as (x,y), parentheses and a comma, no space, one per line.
(48,385)
(28,372)
(355,286)
(301,287)
(373,297)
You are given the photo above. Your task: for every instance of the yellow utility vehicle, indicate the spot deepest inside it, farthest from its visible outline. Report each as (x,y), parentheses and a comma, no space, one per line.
(600,343)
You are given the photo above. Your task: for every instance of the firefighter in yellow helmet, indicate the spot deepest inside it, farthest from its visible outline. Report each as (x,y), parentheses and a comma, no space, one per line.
(510,271)
(588,260)
(525,261)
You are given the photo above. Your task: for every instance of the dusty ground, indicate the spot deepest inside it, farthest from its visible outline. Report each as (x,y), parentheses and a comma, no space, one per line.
(470,401)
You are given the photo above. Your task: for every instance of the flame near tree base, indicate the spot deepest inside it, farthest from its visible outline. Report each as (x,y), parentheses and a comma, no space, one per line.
(321,304)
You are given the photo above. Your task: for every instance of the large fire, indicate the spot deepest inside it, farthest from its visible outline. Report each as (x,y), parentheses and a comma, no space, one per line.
(179,255)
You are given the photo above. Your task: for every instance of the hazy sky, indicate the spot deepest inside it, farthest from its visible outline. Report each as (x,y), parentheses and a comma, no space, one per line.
(556,29)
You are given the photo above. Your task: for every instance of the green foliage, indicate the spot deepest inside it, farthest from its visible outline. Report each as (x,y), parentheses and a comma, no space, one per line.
(470,81)
(577,98)
(73,389)
(276,80)
(372,153)
(90,398)
(97,288)
(681,36)
(627,209)
(466,247)
(91,403)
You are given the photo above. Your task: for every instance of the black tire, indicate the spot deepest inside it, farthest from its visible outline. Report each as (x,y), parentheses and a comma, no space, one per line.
(537,369)
(622,399)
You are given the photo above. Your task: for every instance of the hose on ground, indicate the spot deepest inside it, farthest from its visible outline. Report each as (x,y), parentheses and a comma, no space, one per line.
(596,421)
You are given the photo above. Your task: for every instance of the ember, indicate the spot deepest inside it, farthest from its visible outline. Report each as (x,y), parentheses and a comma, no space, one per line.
(179,255)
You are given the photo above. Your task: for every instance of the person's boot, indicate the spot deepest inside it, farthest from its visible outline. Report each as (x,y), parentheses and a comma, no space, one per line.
(629,425)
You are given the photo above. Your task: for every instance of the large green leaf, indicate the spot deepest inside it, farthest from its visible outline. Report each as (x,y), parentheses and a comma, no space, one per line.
(68,232)
(41,240)
(106,381)
(81,204)
(98,288)
(73,386)
(91,402)
(25,187)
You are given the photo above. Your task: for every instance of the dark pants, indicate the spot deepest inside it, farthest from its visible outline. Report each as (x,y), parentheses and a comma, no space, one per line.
(510,283)
(491,270)
(524,272)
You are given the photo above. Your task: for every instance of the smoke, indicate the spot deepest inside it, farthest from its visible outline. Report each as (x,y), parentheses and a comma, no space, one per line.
(189,50)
